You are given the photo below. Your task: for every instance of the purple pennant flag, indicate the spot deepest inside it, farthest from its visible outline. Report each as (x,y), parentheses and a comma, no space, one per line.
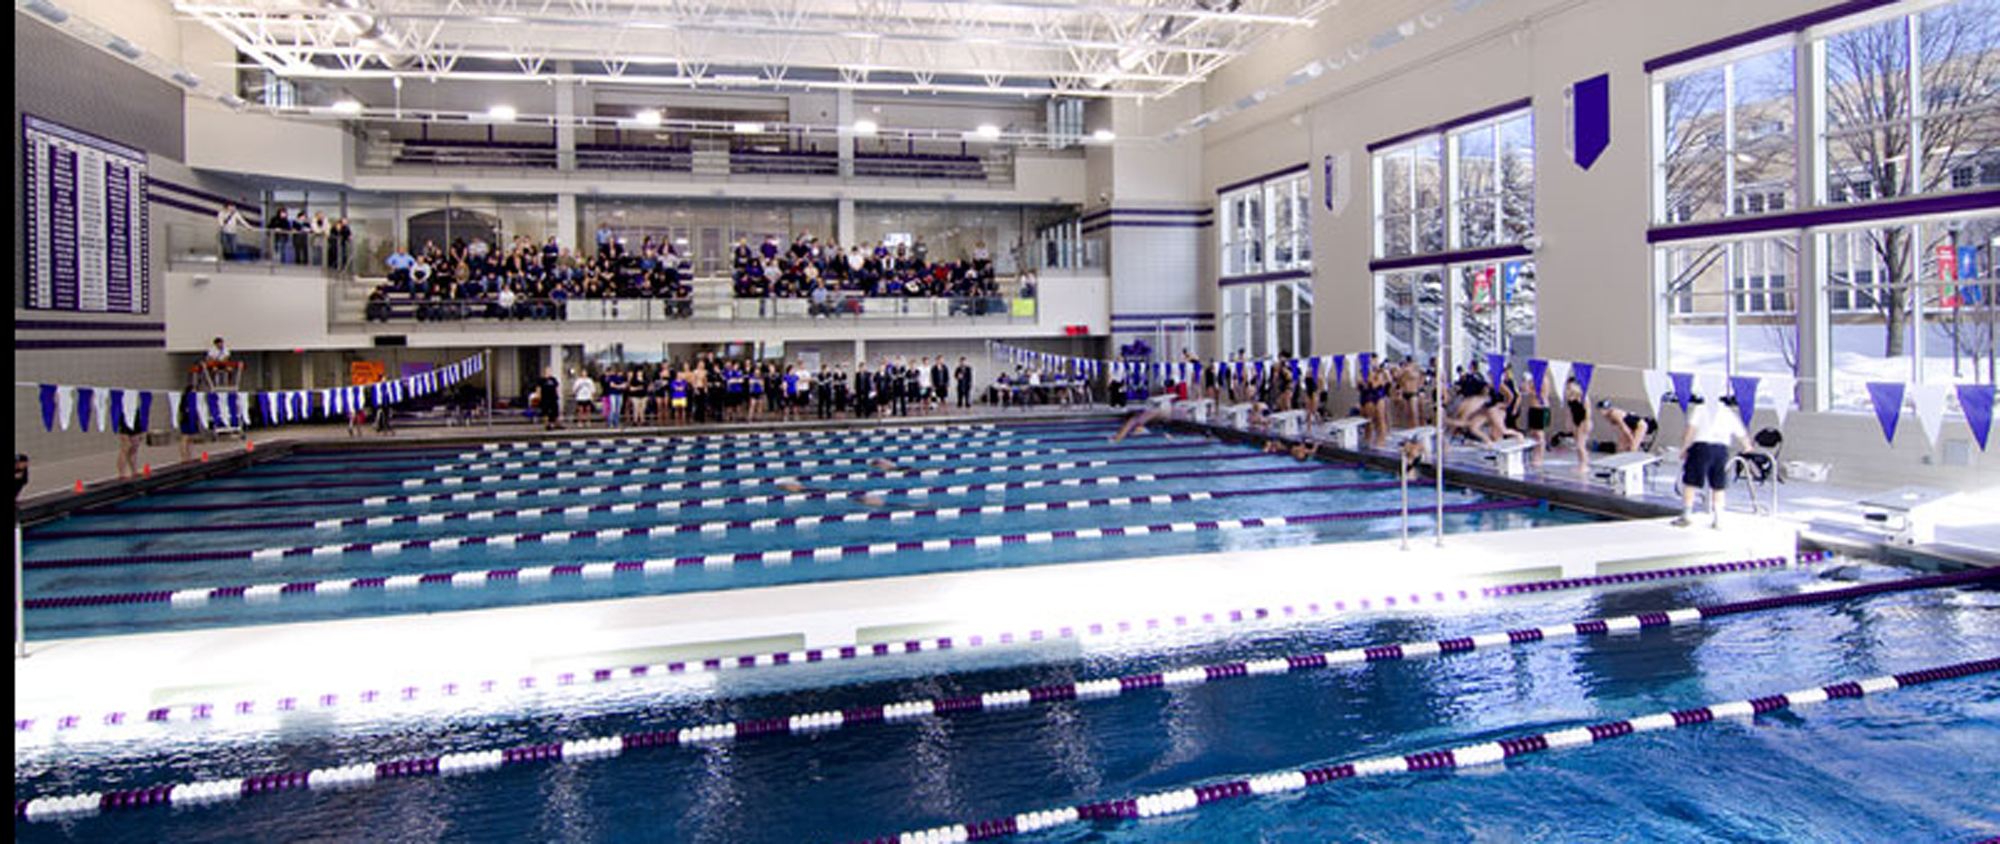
(1744,388)
(84,395)
(48,394)
(1363,362)
(1581,372)
(1314,368)
(1339,368)
(1976,400)
(145,416)
(1496,366)
(1683,388)
(1538,370)
(1888,398)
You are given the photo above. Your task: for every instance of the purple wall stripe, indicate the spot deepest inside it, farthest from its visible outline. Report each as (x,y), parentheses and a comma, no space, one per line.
(153,182)
(21,345)
(1439,259)
(1783,27)
(1448,125)
(1282,171)
(82,325)
(184,206)
(1951,203)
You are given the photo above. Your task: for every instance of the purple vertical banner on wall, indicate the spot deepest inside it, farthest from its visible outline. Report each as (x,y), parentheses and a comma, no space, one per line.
(1581,372)
(1326,182)
(1683,388)
(1976,400)
(1744,388)
(1888,399)
(1590,119)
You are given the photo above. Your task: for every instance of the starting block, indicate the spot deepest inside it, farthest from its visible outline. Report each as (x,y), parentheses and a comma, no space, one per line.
(1346,432)
(1427,433)
(1196,410)
(1289,423)
(1625,472)
(1911,507)
(1236,415)
(1165,403)
(1509,454)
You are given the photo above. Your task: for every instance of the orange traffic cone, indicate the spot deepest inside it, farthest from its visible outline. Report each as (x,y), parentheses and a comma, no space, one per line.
(204,457)
(249,446)
(79,486)
(146,471)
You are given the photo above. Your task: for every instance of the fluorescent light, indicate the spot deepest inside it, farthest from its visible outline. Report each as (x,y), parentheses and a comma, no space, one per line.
(748,128)
(501,113)
(987,130)
(500,19)
(864,126)
(187,79)
(48,11)
(348,106)
(1104,136)
(647,117)
(124,48)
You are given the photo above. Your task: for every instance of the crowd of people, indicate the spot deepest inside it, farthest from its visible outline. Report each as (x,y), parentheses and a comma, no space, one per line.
(834,278)
(292,238)
(708,388)
(526,281)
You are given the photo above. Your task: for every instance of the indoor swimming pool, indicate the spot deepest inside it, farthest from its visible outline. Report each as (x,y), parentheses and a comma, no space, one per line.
(327,533)
(954,740)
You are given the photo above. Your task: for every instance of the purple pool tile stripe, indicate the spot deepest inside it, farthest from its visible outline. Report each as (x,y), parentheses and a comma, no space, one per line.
(1286,664)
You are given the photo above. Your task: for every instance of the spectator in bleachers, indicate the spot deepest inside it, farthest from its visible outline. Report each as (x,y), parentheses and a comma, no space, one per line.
(229,221)
(400,262)
(280,227)
(340,244)
(321,233)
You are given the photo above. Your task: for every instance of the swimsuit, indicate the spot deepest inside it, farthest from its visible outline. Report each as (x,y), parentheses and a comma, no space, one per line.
(1577,412)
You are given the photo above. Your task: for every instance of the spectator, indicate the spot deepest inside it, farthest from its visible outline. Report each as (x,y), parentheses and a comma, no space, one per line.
(400,263)
(322,237)
(341,247)
(604,238)
(280,228)
(232,226)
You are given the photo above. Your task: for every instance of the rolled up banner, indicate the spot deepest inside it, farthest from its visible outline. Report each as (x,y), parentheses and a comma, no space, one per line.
(1887,396)
(1976,402)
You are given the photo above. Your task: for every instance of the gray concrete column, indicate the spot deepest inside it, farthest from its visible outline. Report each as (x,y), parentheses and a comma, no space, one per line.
(565,113)
(844,231)
(567,224)
(843,113)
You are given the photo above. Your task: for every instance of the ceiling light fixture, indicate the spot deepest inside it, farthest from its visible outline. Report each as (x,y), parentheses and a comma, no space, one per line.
(864,126)
(647,117)
(1104,136)
(748,128)
(502,113)
(987,130)
(348,106)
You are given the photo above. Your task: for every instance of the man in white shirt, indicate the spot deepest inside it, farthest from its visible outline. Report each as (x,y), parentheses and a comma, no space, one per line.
(585,390)
(231,222)
(1712,427)
(218,353)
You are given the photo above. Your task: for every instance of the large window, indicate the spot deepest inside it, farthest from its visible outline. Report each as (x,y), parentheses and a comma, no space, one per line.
(1493,182)
(1410,313)
(1910,103)
(1910,302)
(1267,227)
(1732,306)
(1725,140)
(1272,319)
(1409,199)
(1495,303)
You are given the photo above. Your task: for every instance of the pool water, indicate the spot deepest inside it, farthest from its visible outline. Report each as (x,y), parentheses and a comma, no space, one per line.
(1908,765)
(202,537)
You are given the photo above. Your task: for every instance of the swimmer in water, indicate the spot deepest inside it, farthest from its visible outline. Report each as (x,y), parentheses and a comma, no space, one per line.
(869,498)
(1415,449)
(1139,421)
(1299,451)
(884,464)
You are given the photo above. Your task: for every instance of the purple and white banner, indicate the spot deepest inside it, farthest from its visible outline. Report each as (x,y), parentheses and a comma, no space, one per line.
(83,203)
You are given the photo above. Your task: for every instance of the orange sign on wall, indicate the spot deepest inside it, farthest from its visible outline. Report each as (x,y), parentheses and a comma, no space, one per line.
(365,372)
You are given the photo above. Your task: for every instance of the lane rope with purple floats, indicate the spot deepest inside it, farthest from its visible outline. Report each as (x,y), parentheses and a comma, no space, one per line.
(1466,756)
(1012,429)
(681,504)
(365,773)
(998,468)
(206,712)
(676,456)
(559,490)
(708,462)
(676,445)
(189,597)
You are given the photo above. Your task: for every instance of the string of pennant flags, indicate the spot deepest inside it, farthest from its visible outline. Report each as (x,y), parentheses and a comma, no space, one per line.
(128,409)
(1928,400)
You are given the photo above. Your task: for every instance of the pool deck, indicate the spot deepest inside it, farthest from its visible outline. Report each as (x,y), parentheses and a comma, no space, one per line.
(135,673)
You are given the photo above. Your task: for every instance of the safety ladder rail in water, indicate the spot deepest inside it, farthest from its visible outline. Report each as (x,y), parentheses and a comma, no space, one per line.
(613,745)
(675,504)
(1466,756)
(199,712)
(606,569)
